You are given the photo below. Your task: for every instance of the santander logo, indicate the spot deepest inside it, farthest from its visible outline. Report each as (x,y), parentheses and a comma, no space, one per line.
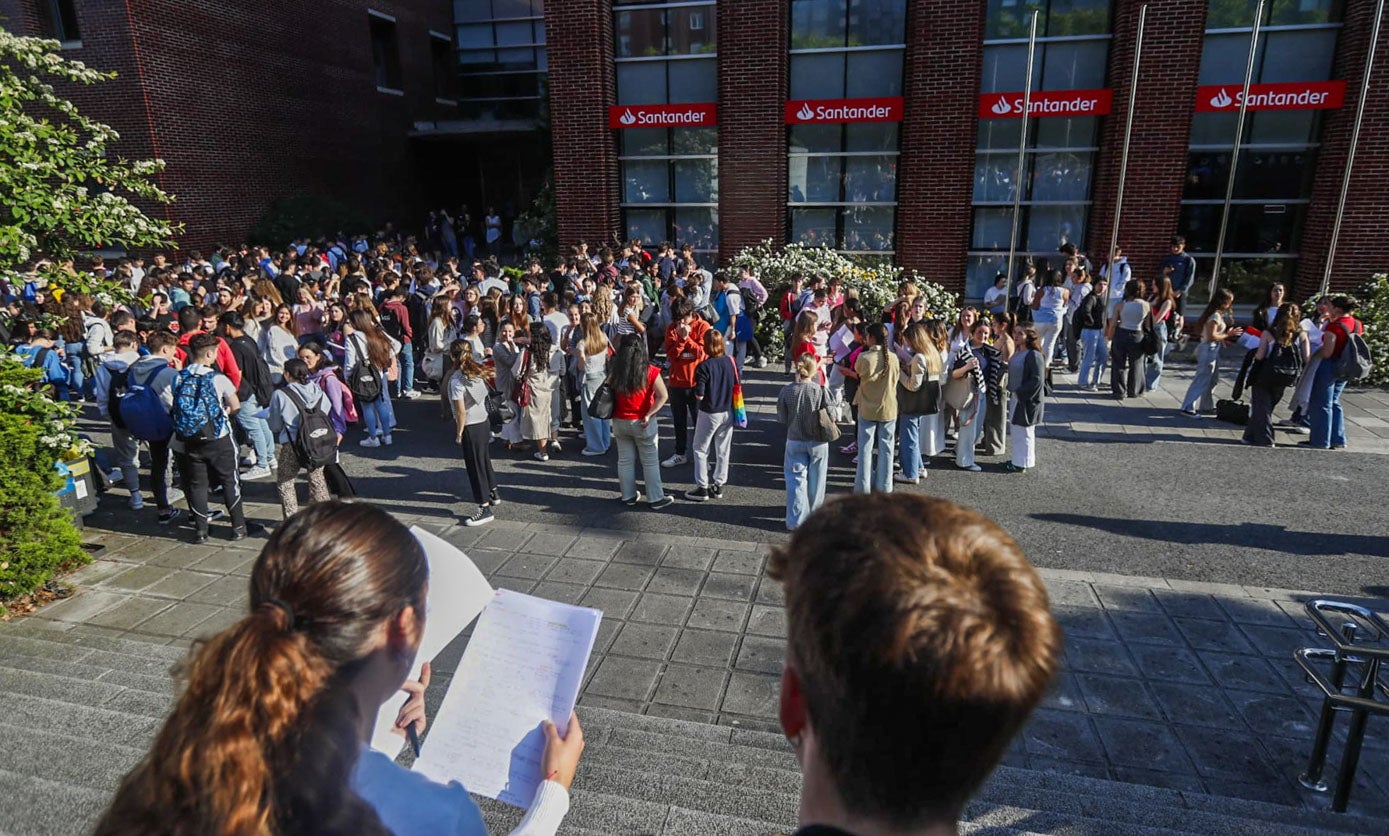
(1001,107)
(628,118)
(695,115)
(1221,99)
(805,112)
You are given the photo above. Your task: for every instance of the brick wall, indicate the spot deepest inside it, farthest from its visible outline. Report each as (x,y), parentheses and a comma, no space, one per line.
(1171,62)
(753,39)
(935,175)
(579,40)
(253,101)
(1361,249)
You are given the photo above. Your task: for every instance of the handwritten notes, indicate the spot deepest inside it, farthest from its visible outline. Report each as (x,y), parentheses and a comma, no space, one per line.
(524,664)
(457,593)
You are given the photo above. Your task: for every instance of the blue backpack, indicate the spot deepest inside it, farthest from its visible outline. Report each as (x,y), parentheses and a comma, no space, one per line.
(141,412)
(197,414)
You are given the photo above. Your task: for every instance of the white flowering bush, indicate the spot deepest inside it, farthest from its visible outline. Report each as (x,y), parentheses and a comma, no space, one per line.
(1373,297)
(875,279)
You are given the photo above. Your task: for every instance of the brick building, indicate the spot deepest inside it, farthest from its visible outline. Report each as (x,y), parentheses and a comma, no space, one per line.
(892,127)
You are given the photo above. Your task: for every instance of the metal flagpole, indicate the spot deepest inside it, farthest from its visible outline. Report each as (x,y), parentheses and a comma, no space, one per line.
(1124,160)
(1354,144)
(1022,157)
(1234,156)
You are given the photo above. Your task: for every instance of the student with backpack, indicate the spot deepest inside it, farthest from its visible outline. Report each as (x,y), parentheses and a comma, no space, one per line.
(342,410)
(395,321)
(202,443)
(255,391)
(468,390)
(1345,358)
(367,358)
(111,383)
(42,352)
(145,410)
(304,435)
(1282,354)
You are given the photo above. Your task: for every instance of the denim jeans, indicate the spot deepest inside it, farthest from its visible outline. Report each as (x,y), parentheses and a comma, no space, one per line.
(1094,355)
(406,381)
(875,442)
(1324,407)
(909,430)
(1154,373)
(637,442)
(257,430)
(598,433)
(1201,394)
(77,379)
(375,416)
(806,464)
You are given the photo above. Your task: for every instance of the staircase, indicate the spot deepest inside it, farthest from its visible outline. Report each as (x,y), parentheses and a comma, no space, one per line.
(78,709)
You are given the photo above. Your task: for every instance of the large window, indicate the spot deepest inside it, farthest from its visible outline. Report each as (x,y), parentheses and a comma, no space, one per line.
(1278,151)
(842,178)
(501,58)
(666,53)
(62,21)
(1072,54)
(385,52)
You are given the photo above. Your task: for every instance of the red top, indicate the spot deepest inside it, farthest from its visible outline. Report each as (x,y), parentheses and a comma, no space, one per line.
(634,407)
(1342,329)
(808,347)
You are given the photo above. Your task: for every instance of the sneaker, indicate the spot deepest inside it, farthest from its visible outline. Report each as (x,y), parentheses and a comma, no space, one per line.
(972,468)
(370,441)
(411,394)
(256,473)
(663,502)
(1009,467)
(632,500)
(1310,446)
(716,491)
(137,502)
(199,537)
(212,516)
(1191,413)
(699,494)
(387,440)
(675,460)
(494,500)
(482,516)
(274,463)
(555,448)
(588,452)
(903,479)
(542,456)
(850,448)
(169,515)
(1298,429)
(761,362)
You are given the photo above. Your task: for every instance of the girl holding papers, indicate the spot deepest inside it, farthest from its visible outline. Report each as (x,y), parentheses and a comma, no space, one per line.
(270,734)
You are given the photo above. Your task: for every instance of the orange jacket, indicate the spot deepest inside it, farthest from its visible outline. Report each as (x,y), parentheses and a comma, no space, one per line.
(685,354)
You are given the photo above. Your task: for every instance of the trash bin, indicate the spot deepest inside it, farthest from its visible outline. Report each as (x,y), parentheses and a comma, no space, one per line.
(78,493)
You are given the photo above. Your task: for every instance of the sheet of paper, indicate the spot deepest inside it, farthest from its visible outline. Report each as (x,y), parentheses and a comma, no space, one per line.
(523,665)
(457,593)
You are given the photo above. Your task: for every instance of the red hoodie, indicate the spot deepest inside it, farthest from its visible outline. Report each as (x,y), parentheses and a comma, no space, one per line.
(686,354)
(226,362)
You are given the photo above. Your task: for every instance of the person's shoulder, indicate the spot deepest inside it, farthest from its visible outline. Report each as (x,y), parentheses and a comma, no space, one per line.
(408,802)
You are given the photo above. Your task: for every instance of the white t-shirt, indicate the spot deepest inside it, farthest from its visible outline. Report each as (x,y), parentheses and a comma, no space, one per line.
(556,322)
(991,297)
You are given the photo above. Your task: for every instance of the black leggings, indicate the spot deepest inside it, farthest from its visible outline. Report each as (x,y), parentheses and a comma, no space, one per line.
(478,461)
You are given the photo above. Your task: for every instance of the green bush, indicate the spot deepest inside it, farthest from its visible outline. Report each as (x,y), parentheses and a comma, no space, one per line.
(306,216)
(37,536)
(1374,312)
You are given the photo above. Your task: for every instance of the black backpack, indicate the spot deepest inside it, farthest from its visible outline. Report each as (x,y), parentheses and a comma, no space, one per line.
(365,380)
(120,384)
(1281,366)
(391,324)
(316,442)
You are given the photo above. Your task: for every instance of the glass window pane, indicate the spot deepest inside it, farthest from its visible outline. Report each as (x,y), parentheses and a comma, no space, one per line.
(818,76)
(693,81)
(871,136)
(1010,18)
(1304,11)
(1271,175)
(993,226)
(980,271)
(1078,17)
(874,74)
(870,179)
(1223,59)
(1249,278)
(1254,227)
(645,182)
(538,28)
(641,83)
(823,139)
(814,179)
(640,33)
(1228,14)
(1057,132)
(691,30)
(646,224)
(644,141)
(1213,128)
(1061,176)
(1298,56)
(516,59)
(514,34)
(999,134)
(994,175)
(696,181)
(465,10)
(1291,126)
(695,140)
(475,36)
(697,226)
(1074,66)
(1048,227)
(1005,68)
(511,8)
(817,24)
(877,22)
(869,227)
(813,226)
(477,56)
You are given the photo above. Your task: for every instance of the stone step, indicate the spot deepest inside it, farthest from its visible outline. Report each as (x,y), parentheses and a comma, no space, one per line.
(120,728)
(77,694)
(43,646)
(89,636)
(31,806)
(68,759)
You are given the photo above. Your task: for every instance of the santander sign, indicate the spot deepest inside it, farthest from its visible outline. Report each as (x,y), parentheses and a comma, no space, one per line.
(827,111)
(699,115)
(1047,103)
(1303,95)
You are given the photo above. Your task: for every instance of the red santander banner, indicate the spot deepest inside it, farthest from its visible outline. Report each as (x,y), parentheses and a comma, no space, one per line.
(827,111)
(1299,95)
(1045,103)
(700,115)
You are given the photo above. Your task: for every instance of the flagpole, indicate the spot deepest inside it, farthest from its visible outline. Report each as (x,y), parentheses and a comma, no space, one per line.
(1124,160)
(1022,156)
(1234,156)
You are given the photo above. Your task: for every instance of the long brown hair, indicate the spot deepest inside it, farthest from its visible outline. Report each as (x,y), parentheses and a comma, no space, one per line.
(1287,323)
(378,347)
(264,738)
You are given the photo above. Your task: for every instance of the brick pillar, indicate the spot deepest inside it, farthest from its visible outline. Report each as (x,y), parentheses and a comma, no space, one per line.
(1162,127)
(935,174)
(753,40)
(1361,250)
(579,40)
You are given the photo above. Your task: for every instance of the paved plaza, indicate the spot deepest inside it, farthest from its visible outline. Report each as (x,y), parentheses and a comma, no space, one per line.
(1181,607)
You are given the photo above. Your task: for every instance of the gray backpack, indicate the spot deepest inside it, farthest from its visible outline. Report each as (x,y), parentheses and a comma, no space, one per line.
(1354,363)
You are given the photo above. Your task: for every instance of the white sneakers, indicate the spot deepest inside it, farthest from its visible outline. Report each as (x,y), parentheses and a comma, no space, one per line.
(256,473)
(675,461)
(411,394)
(370,441)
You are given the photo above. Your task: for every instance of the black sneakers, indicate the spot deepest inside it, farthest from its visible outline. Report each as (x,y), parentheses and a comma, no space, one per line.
(482,516)
(716,490)
(494,500)
(699,494)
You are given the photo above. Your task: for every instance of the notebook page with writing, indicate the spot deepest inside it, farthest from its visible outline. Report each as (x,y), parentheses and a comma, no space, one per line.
(524,664)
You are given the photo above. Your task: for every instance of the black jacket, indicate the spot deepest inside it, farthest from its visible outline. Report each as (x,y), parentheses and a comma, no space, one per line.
(255,374)
(1090,315)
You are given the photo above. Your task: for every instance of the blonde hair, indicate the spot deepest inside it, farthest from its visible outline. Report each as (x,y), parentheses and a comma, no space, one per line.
(806,366)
